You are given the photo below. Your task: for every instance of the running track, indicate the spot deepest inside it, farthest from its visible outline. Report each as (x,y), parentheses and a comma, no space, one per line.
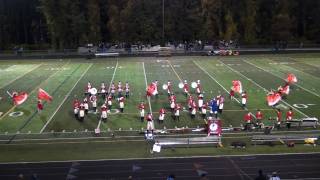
(299,166)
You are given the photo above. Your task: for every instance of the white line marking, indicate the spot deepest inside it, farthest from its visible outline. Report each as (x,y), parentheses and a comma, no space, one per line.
(43,128)
(145,79)
(284,79)
(262,88)
(21,76)
(114,73)
(154,158)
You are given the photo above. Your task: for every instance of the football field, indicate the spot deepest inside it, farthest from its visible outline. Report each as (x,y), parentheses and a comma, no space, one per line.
(65,80)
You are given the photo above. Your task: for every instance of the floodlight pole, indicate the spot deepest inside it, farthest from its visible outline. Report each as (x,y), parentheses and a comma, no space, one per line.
(163,22)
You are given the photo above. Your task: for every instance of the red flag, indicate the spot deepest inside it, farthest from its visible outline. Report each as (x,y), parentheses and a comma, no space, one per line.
(19,98)
(273,98)
(43,95)
(152,90)
(214,127)
(237,86)
(291,78)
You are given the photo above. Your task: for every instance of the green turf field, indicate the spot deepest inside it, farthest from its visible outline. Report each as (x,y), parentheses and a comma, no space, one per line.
(66,79)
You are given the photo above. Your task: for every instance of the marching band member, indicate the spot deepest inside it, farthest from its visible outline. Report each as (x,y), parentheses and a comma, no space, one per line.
(204,110)
(156,90)
(259,117)
(231,94)
(127,89)
(150,125)
(162,113)
(198,88)
(221,104)
(177,109)
(88,87)
(109,102)
(248,119)
(244,98)
(289,116)
(103,90)
(93,100)
(193,109)
(121,103)
(169,89)
(186,88)
(190,101)
(86,105)
(104,114)
(113,90)
(120,89)
(279,118)
(200,101)
(39,106)
(76,106)
(81,112)
(141,109)
(172,100)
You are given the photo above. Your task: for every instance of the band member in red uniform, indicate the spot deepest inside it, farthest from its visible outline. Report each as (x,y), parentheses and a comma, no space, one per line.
(248,119)
(177,110)
(198,88)
(259,117)
(103,90)
(220,104)
(244,98)
(93,100)
(289,116)
(104,114)
(109,102)
(231,94)
(172,100)
(193,110)
(169,88)
(81,112)
(121,103)
(127,90)
(120,89)
(141,110)
(112,90)
(39,106)
(190,101)
(279,118)
(200,101)
(204,110)
(186,88)
(76,106)
(162,113)
(150,125)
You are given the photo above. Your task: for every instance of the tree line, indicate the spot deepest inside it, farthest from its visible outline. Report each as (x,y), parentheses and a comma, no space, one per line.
(64,24)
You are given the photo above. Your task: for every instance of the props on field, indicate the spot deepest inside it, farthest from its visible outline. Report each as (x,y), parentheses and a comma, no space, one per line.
(19,98)
(214,127)
(237,86)
(93,91)
(43,95)
(273,98)
(180,85)
(291,78)
(151,90)
(164,86)
(194,85)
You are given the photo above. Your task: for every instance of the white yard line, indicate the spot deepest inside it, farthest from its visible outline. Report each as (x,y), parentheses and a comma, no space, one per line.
(155,158)
(67,95)
(261,87)
(114,73)
(20,76)
(145,79)
(283,79)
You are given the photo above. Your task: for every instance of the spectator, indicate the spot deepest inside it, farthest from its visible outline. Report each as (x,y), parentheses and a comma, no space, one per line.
(274,176)
(261,176)
(171,177)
